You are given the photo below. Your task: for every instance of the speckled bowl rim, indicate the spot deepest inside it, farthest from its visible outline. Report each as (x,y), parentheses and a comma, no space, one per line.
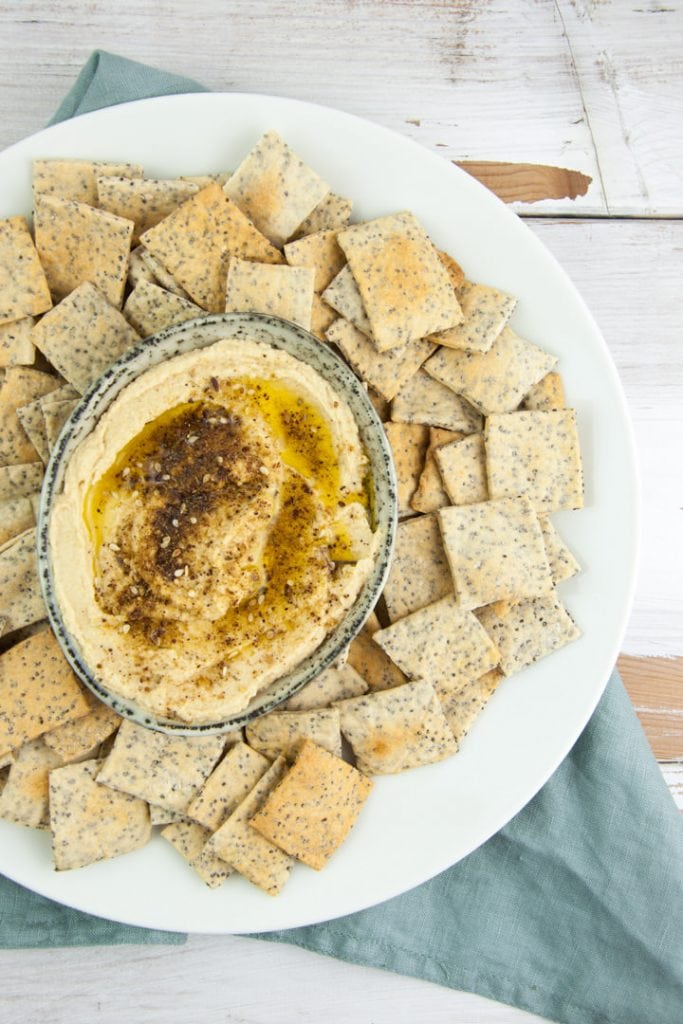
(172,341)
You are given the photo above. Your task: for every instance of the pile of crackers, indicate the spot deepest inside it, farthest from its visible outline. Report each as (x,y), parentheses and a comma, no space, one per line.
(485,452)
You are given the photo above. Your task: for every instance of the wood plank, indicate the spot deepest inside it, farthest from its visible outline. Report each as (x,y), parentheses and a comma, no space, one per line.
(655,685)
(627,57)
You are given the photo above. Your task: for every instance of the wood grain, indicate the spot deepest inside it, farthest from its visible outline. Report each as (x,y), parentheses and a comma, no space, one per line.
(655,686)
(527,183)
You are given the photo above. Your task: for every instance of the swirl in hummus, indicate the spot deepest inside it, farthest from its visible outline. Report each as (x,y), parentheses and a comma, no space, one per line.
(212,529)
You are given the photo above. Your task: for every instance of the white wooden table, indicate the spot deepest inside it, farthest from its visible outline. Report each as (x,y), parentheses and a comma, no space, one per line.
(591,85)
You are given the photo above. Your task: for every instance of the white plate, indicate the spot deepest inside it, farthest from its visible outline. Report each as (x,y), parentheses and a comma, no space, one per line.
(416,824)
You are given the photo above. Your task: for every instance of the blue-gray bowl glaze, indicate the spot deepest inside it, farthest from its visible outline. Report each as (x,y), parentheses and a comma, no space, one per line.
(173,341)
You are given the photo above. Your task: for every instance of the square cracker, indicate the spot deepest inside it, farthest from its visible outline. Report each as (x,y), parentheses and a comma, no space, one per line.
(76,179)
(84,335)
(74,739)
(195,243)
(24,799)
(393,730)
(241,846)
(493,381)
(24,288)
(322,317)
(190,840)
(16,516)
(33,423)
(229,783)
(463,705)
(536,454)
(496,551)
(279,732)
(311,811)
(275,189)
(145,201)
(21,600)
(528,630)
(563,564)
(91,822)
(420,573)
(20,480)
(386,372)
(16,347)
(342,295)
(463,470)
(78,243)
(485,313)
(370,661)
(157,272)
(547,394)
(319,251)
(430,494)
(21,386)
(406,290)
(55,415)
(338,682)
(331,214)
(286,292)
(164,770)
(409,443)
(149,309)
(440,643)
(422,399)
(38,690)
(455,271)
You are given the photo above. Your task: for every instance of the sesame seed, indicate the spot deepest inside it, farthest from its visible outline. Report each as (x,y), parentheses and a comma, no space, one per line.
(261,598)
(174,522)
(192,438)
(206,478)
(165,542)
(114,547)
(125,628)
(126,472)
(134,591)
(192,593)
(175,552)
(264,470)
(193,519)
(178,573)
(166,476)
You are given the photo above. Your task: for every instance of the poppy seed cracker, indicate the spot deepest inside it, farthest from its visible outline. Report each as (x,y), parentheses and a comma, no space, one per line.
(419,573)
(279,732)
(227,786)
(24,288)
(485,313)
(463,470)
(190,840)
(149,308)
(529,630)
(284,291)
(386,372)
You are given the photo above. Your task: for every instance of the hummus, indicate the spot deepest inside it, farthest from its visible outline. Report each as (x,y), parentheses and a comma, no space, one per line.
(212,529)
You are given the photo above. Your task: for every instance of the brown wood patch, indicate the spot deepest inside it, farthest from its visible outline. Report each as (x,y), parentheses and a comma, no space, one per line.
(655,685)
(527,183)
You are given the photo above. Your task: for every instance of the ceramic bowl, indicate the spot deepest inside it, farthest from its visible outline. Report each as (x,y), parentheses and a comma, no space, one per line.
(173,341)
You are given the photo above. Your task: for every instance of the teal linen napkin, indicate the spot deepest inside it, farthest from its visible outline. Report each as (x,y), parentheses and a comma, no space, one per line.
(573,911)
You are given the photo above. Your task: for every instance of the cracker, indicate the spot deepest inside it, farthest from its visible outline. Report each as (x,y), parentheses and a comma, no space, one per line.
(342,295)
(490,681)
(149,309)
(25,797)
(279,732)
(423,399)
(16,347)
(529,630)
(38,691)
(73,740)
(17,481)
(409,443)
(311,811)
(286,292)
(547,394)
(33,423)
(21,601)
(227,786)
(78,243)
(16,516)
(241,846)
(190,839)
(493,381)
(322,317)
(381,406)
(338,682)
(275,189)
(160,816)
(455,271)
(138,269)
(485,313)
(24,288)
(84,335)
(394,730)
(440,643)
(319,251)
(91,822)
(164,770)
(55,415)
(332,213)
(158,273)
(496,551)
(463,470)
(563,564)
(22,385)
(145,201)
(207,179)
(406,290)
(371,663)
(536,454)
(430,494)
(195,243)
(386,372)
(463,706)
(76,179)
(420,573)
